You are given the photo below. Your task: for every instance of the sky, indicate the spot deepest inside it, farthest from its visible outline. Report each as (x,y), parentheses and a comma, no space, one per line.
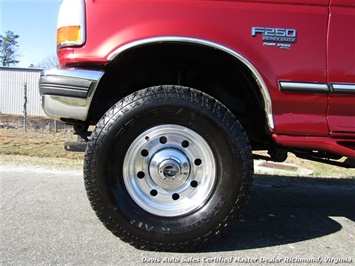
(35,21)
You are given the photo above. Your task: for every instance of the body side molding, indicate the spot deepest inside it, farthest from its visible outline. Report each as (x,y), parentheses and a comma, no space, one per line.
(343,88)
(303,86)
(297,86)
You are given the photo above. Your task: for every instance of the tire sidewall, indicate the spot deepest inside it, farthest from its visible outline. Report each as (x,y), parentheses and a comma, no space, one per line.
(220,130)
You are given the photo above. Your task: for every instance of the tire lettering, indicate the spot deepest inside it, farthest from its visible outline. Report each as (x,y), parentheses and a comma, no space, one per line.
(166,230)
(203,221)
(142,225)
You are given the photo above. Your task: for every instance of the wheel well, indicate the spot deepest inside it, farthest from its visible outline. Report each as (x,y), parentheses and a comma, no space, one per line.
(203,68)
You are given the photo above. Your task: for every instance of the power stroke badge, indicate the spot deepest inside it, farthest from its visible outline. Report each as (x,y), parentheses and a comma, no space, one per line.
(278,37)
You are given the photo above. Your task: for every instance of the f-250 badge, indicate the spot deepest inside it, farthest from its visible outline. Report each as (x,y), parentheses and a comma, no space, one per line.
(278,37)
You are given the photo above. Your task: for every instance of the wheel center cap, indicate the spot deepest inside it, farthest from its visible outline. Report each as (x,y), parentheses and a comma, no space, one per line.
(169,168)
(170,171)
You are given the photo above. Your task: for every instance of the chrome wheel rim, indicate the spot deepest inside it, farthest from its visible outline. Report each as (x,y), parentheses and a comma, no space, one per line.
(169,170)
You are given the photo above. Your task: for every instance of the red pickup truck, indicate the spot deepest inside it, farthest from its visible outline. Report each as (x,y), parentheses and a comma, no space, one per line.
(182,92)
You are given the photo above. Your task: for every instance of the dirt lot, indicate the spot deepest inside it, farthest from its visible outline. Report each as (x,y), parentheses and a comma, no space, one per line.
(33,147)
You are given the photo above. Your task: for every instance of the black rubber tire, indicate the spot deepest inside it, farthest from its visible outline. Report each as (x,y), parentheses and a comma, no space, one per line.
(145,109)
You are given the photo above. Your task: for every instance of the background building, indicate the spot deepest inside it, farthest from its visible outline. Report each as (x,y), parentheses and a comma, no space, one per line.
(19,91)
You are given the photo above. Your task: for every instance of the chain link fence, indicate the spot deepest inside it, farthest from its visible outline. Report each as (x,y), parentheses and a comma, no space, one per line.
(33,123)
(20,102)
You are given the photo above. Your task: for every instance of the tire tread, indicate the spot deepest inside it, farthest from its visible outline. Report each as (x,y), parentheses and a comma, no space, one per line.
(129,103)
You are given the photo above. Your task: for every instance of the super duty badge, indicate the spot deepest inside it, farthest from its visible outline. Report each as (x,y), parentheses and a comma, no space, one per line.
(277,37)
(275,34)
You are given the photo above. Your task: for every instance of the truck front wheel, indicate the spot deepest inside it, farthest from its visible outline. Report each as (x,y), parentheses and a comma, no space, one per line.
(168,168)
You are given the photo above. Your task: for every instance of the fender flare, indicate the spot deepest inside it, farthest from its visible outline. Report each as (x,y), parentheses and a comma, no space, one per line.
(175,39)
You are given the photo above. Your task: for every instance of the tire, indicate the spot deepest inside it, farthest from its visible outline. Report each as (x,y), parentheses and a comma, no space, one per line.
(168,168)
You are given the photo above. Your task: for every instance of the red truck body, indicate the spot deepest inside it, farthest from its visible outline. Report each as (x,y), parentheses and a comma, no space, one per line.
(323,54)
(284,70)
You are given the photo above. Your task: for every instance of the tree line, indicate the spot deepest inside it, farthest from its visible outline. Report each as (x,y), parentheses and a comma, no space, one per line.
(9,55)
(8,44)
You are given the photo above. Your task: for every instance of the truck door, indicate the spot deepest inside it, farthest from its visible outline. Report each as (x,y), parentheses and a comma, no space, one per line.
(341,68)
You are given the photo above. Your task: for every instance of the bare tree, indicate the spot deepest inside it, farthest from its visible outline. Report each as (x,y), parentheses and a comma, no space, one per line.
(48,62)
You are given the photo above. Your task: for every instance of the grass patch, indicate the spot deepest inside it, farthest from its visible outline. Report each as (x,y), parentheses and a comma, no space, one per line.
(37,144)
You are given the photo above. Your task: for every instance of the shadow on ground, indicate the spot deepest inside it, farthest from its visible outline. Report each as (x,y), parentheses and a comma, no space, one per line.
(285,210)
